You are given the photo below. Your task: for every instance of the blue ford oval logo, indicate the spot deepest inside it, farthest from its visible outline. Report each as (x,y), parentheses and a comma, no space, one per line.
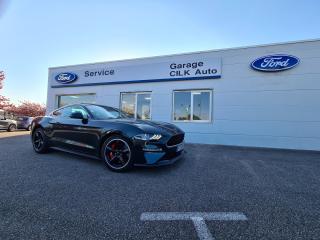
(274,63)
(66,77)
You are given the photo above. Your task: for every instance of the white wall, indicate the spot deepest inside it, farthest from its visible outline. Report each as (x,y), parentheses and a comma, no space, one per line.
(250,108)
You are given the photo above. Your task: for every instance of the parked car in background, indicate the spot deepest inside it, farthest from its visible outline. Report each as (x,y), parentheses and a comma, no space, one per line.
(6,122)
(24,122)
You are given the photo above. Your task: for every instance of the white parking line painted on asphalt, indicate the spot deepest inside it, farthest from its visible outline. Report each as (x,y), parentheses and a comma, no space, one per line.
(211,216)
(198,219)
(201,228)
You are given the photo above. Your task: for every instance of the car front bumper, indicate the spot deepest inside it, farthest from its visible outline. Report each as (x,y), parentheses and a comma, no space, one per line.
(162,161)
(158,154)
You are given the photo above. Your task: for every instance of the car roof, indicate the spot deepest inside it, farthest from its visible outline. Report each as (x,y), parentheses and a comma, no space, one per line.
(82,104)
(93,104)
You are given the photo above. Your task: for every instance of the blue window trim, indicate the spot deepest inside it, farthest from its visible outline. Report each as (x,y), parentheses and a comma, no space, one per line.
(136,81)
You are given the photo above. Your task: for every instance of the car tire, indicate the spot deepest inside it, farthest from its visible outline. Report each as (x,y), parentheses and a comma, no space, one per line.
(117,153)
(28,128)
(12,128)
(40,141)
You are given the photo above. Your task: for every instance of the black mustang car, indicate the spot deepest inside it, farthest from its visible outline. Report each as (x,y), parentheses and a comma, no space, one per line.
(107,133)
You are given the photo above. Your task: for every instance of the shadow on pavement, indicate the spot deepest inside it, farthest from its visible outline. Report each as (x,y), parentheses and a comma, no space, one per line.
(6,134)
(136,169)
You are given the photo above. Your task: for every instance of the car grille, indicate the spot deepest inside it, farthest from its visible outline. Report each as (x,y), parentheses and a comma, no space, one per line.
(175,140)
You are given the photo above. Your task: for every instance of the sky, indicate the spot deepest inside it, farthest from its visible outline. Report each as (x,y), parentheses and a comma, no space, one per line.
(37,34)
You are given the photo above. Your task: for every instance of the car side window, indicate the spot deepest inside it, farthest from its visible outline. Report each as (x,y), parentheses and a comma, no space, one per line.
(56,113)
(74,109)
(62,112)
(79,109)
(67,111)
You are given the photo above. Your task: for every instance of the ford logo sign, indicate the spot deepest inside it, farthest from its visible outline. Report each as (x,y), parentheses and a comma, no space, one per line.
(66,77)
(275,63)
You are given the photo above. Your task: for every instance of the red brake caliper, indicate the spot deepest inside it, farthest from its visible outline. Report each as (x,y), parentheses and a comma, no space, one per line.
(113,146)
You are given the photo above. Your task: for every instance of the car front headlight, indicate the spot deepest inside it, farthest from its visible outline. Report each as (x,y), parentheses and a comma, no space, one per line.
(148,137)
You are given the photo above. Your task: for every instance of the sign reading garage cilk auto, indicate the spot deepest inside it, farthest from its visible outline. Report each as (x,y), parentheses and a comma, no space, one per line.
(275,63)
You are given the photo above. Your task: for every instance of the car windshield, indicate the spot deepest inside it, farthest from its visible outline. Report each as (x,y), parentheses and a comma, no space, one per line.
(22,118)
(104,112)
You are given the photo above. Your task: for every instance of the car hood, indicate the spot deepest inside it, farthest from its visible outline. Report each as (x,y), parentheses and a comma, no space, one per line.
(12,121)
(153,126)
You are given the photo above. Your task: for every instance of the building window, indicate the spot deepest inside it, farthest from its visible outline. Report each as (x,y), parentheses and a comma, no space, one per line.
(192,105)
(63,100)
(136,104)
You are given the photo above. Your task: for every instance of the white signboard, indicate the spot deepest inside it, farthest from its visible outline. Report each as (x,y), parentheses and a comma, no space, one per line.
(173,68)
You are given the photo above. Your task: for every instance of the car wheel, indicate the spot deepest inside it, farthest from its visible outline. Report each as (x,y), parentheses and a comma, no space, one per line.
(12,128)
(117,152)
(39,141)
(28,128)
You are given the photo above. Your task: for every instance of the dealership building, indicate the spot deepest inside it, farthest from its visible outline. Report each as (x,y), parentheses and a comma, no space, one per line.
(259,96)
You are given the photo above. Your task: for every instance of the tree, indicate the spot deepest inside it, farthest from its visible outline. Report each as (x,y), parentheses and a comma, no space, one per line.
(5,103)
(2,77)
(27,108)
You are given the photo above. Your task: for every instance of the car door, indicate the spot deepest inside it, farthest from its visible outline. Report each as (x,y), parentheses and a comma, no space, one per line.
(72,132)
(4,124)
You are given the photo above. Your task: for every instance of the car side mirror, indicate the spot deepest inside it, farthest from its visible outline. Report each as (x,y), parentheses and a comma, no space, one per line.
(80,115)
(85,118)
(76,115)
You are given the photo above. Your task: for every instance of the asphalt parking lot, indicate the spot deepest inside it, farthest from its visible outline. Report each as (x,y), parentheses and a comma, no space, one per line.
(62,196)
